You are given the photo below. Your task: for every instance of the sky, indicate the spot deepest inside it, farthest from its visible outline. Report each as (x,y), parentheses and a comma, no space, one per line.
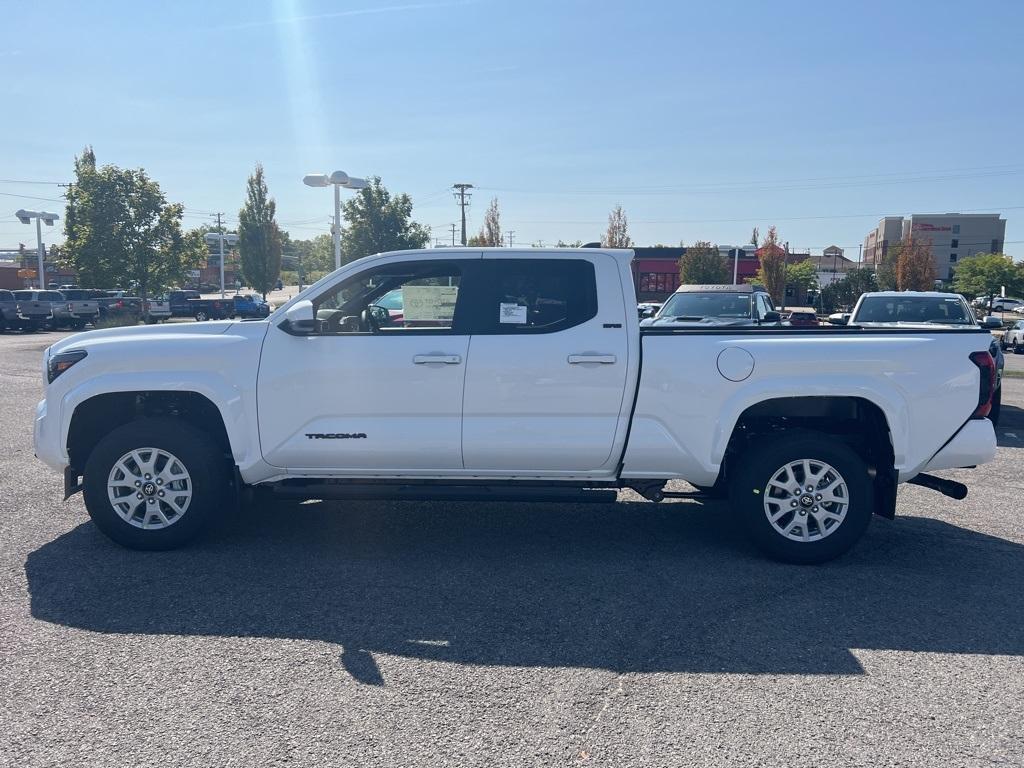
(702,120)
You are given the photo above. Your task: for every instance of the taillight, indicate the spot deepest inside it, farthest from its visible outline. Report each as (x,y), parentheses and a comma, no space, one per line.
(987,386)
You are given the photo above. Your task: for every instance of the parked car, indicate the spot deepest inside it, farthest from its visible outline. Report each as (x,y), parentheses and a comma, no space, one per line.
(156,310)
(8,311)
(249,305)
(929,309)
(210,309)
(83,306)
(1001,304)
(561,396)
(51,308)
(179,302)
(392,302)
(803,318)
(1013,338)
(646,309)
(34,312)
(716,306)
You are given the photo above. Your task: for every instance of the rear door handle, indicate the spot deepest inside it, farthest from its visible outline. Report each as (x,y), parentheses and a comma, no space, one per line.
(603,359)
(446,359)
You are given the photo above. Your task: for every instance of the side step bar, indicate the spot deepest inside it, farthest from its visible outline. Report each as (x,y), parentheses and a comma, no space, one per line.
(950,488)
(420,492)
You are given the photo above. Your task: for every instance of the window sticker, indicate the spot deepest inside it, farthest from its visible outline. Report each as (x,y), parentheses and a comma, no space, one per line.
(512,313)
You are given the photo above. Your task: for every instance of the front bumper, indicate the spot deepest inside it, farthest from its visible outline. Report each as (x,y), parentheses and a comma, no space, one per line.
(48,437)
(974,444)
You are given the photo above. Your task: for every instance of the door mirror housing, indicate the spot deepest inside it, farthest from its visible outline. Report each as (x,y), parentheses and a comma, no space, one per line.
(771,317)
(991,321)
(299,318)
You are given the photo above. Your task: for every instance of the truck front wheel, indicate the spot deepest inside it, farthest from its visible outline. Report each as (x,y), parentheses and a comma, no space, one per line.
(155,484)
(804,498)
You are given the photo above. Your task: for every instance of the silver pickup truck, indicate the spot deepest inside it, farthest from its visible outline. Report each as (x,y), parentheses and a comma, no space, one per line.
(78,308)
(35,308)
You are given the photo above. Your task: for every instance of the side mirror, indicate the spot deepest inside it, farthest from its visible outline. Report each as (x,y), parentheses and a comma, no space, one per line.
(771,317)
(299,318)
(991,321)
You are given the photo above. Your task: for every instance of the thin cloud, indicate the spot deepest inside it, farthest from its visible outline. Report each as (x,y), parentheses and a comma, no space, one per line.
(349,13)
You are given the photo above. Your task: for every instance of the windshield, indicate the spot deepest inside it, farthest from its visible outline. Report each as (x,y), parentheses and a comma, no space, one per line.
(707,305)
(913,309)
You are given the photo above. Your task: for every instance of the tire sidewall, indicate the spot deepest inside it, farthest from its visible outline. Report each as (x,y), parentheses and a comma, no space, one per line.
(758,465)
(193,448)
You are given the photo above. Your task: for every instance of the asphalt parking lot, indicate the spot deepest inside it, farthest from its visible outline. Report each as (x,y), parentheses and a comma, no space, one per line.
(367,633)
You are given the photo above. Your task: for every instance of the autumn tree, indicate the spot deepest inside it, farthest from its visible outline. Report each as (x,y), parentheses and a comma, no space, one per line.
(915,266)
(259,239)
(772,272)
(617,234)
(490,232)
(703,264)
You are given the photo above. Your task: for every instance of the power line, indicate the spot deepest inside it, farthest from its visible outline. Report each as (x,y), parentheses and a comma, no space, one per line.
(463,199)
(33,197)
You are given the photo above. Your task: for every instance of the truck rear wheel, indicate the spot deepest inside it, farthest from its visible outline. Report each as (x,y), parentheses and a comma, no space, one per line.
(155,484)
(804,498)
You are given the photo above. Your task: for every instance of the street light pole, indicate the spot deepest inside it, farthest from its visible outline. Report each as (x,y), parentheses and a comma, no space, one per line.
(39,254)
(338,179)
(40,216)
(337,226)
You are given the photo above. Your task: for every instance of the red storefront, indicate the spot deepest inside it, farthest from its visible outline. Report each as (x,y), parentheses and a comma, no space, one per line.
(656,271)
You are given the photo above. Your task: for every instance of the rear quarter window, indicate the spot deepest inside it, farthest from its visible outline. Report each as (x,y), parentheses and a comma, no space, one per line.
(536,296)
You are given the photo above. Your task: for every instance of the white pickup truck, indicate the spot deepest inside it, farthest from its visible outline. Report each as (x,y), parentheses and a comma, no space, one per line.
(509,374)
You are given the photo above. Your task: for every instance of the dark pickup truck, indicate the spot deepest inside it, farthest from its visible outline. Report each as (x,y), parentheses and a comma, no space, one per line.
(210,309)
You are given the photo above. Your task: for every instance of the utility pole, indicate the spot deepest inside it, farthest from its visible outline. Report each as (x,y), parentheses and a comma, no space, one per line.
(463,198)
(220,231)
(453,233)
(510,233)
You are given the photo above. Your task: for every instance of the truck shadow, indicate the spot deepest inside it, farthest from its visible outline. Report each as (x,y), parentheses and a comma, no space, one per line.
(1010,430)
(633,587)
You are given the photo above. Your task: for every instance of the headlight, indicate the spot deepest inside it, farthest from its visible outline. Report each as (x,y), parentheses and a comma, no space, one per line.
(59,363)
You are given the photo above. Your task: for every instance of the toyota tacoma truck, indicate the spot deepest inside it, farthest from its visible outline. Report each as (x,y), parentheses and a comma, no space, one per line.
(510,375)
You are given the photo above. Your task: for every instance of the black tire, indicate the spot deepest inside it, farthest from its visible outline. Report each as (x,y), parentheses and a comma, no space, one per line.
(202,316)
(1015,347)
(760,464)
(195,451)
(77,325)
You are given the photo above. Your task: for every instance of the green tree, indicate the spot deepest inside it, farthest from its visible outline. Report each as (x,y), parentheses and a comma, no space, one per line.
(703,264)
(754,235)
(915,266)
(574,244)
(121,231)
(617,234)
(378,221)
(987,274)
(802,275)
(885,274)
(772,272)
(259,239)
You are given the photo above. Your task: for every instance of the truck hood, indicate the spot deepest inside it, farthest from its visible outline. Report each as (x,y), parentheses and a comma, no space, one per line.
(704,322)
(138,333)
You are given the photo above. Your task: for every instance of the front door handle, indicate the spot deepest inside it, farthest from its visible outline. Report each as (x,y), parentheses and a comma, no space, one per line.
(446,359)
(603,359)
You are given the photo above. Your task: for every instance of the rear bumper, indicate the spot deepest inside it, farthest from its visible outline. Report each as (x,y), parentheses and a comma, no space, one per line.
(974,444)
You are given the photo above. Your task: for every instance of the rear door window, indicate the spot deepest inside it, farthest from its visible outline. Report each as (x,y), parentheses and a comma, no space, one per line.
(535,296)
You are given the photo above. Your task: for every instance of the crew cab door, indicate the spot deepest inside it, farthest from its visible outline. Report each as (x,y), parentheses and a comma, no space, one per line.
(371,392)
(548,366)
